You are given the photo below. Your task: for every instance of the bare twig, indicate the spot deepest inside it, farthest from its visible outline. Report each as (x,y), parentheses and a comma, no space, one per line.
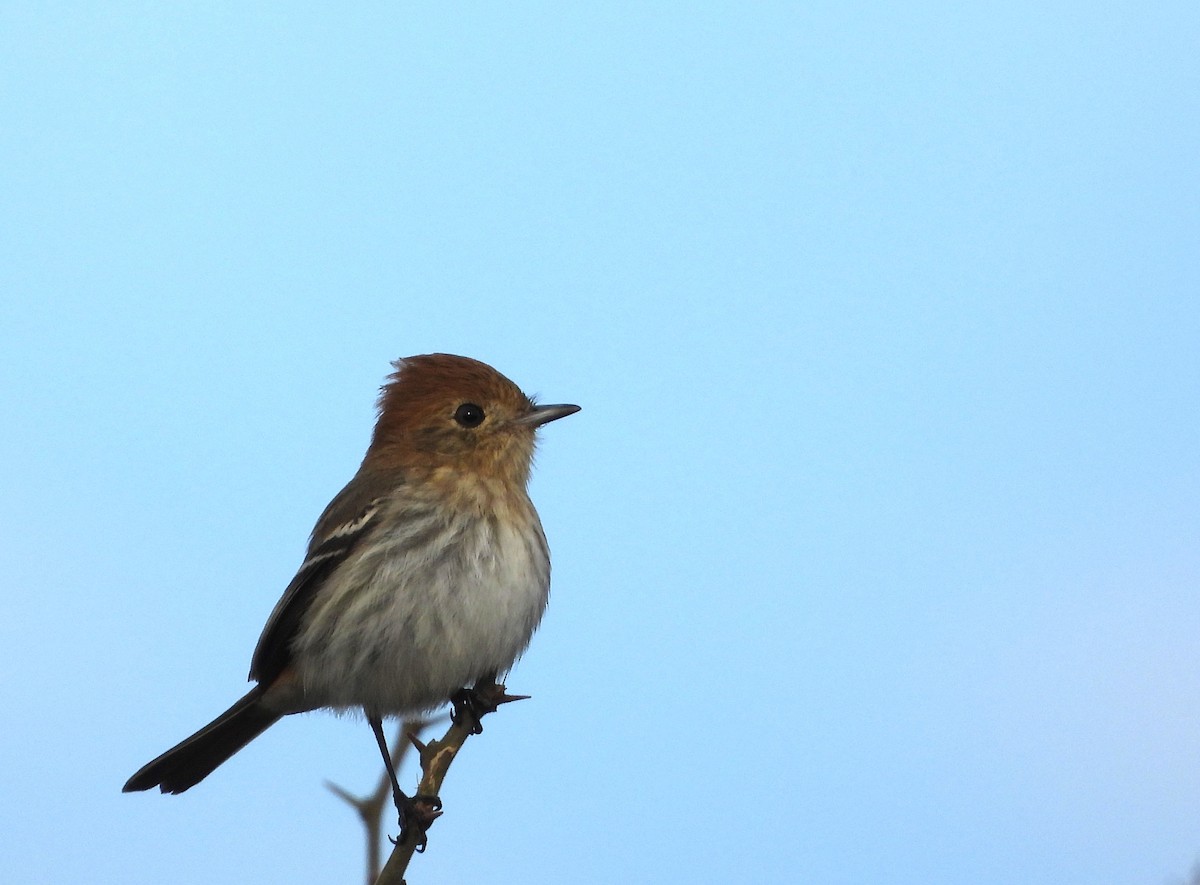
(436,757)
(370,807)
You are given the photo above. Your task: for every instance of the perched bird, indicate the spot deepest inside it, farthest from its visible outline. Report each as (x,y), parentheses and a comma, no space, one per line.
(426,574)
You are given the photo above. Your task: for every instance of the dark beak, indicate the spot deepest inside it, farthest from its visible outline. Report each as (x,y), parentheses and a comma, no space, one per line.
(539,415)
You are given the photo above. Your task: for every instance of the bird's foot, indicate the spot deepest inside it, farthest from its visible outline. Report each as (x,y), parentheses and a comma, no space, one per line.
(472,704)
(416,816)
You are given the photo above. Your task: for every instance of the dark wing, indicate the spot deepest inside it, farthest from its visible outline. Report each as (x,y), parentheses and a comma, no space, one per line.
(349,518)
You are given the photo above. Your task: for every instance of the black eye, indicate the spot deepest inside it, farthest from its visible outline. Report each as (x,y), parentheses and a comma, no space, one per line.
(469,415)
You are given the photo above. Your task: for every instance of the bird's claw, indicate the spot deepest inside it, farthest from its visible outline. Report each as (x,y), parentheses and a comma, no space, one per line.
(416,816)
(477,702)
(429,804)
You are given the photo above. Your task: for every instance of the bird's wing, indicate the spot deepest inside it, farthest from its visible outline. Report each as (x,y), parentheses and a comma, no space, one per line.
(349,518)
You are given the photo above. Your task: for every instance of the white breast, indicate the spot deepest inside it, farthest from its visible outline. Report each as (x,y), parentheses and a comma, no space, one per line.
(424,610)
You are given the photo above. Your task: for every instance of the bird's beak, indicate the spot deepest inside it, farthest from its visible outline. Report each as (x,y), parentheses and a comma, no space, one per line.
(539,415)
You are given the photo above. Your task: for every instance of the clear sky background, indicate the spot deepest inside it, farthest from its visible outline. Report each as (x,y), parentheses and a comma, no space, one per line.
(876,539)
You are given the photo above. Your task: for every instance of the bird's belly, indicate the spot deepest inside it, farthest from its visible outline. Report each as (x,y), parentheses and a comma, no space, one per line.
(400,632)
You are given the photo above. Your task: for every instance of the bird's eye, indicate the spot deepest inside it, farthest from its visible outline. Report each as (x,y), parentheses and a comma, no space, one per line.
(469,415)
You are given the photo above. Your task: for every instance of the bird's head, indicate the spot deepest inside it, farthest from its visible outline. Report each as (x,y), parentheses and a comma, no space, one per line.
(457,416)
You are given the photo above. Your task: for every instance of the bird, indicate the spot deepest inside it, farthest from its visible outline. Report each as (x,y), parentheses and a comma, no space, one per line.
(426,576)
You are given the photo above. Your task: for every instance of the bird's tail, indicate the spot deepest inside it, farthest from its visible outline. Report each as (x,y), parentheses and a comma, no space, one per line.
(196,757)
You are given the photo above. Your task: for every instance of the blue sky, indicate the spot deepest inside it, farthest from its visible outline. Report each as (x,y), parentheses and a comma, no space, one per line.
(875,542)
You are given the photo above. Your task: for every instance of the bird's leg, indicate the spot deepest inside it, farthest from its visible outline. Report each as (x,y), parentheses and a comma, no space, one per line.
(472,704)
(416,814)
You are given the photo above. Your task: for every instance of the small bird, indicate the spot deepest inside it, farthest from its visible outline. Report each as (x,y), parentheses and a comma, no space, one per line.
(426,575)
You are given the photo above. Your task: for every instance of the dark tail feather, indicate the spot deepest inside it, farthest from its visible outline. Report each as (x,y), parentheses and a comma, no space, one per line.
(194,759)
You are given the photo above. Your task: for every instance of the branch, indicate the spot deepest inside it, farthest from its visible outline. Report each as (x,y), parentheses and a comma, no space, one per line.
(436,757)
(370,807)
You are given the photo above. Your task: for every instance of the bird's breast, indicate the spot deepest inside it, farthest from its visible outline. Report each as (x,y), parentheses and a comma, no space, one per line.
(430,602)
